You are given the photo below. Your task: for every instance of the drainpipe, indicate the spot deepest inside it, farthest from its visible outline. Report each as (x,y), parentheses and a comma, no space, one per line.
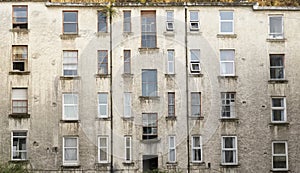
(187,89)
(111,90)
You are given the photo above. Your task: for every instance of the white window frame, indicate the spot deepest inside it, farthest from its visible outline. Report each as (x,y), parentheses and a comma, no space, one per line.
(75,105)
(103,104)
(126,21)
(76,162)
(128,160)
(170,20)
(19,55)
(227,21)
(235,150)
(127,61)
(103,147)
(280,155)
(276,35)
(194,22)
(127,105)
(283,108)
(196,104)
(171,61)
(194,148)
(73,64)
(195,62)
(171,105)
(227,61)
(227,96)
(282,56)
(14,149)
(172,148)
(18,98)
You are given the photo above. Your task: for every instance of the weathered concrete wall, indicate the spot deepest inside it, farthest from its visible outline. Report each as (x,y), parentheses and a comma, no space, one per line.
(46,85)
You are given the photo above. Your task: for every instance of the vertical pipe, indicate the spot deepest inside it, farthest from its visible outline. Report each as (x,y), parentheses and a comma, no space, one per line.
(111,90)
(187,89)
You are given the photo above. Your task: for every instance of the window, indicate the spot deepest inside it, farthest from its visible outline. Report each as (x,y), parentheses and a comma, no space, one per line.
(171,62)
(277,66)
(279,155)
(226,22)
(127,104)
(102,21)
(194,21)
(171,104)
(70,106)
(127,21)
(228,105)
(70,150)
(276,26)
(149,83)
(172,149)
(20,17)
(19,58)
(170,21)
(195,104)
(102,62)
(227,62)
(196,149)
(229,150)
(149,125)
(19,101)
(19,145)
(102,105)
(278,109)
(127,61)
(70,63)
(70,22)
(127,148)
(148,29)
(103,149)
(195,61)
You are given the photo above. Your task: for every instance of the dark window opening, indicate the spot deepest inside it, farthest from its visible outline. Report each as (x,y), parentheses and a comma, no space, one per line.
(150,163)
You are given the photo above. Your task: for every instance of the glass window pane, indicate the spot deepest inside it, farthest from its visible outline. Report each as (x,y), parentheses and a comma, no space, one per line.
(70,17)
(276,24)
(226,27)
(194,15)
(279,148)
(226,15)
(227,55)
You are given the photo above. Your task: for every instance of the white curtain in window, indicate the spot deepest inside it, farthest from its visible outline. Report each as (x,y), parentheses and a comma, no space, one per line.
(19,94)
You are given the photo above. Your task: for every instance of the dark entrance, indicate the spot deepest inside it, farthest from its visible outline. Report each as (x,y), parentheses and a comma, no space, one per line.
(150,163)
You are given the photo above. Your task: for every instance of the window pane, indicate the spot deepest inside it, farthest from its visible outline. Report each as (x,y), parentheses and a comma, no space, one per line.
(279,148)
(226,15)
(226,27)
(196,141)
(70,17)
(227,55)
(194,15)
(149,82)
(71,142)
(148,29)
(195,55)
(229,142)
(170,15)
(276,24)
(277,102)
(229,156)
(279,162)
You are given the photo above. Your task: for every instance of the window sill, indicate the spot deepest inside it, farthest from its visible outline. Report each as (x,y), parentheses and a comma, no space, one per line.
(70,77)
(103,118)
(228,119)
(20,30)
(126,34)
(25,161)
(66,36)
(171,118)
(70,166)
(171,163)
(102,164)
(169,33)
(276,40)
(145,49)
(127,75)
(19,72)
(170,75)
(196,75)
(194,163)
(102,75)
(194,32)
(102,33)
(148,98)
(127,118)
(273,81)
(196,118)
(149,141)
(279,171)
(70,121)
(129,163)
(228,77)
(19,115)
(279,124)
(228,165)
(225,35)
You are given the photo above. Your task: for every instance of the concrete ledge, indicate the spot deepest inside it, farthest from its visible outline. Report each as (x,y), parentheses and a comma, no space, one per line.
(131,163)
(228,77)
(70,77)
(226,36)
(69,36)
(196,75)
(196,118)
(102,75)
(228,119)
(25,31)
(280,40)
(19,72)
(127,75)
(149,141)
(274,81)
(171,118)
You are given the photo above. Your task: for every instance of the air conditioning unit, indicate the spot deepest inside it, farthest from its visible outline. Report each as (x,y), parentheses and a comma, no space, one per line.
(170,26)
(195,67)
(194,26)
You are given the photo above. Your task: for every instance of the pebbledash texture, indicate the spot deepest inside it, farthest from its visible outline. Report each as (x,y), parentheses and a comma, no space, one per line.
(149,87)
